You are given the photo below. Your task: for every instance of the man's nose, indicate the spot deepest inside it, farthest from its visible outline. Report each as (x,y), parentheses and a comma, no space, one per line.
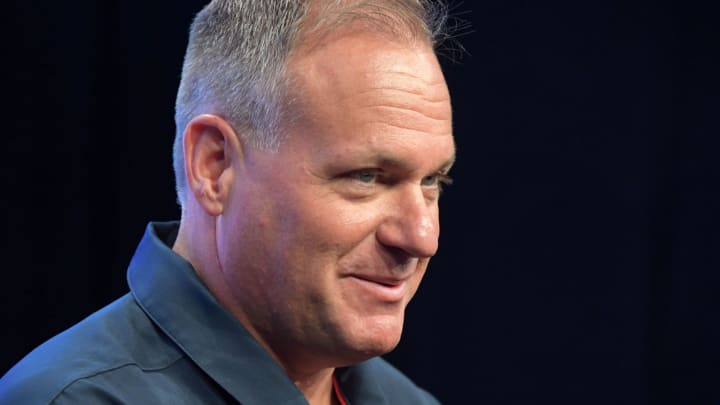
(410,223)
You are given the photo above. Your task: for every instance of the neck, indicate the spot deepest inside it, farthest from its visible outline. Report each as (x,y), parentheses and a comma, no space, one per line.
(317,384)
(317,387)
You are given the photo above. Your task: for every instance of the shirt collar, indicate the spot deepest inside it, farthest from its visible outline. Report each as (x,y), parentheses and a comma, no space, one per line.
(167,288)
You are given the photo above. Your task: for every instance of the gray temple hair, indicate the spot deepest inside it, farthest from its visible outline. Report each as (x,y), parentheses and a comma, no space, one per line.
(236,60)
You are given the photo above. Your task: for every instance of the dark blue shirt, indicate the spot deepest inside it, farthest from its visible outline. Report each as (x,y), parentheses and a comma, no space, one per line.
(169,342)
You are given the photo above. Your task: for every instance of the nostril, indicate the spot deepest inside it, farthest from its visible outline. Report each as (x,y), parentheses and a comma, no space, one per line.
(399,255)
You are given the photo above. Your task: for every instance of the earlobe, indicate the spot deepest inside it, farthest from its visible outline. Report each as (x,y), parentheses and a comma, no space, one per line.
(209,146)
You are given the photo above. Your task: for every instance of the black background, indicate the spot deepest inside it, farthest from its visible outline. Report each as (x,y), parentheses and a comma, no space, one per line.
(579,253)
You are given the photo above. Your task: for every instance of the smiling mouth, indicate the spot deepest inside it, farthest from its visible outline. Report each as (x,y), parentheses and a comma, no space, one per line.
(385,282)
(382,289)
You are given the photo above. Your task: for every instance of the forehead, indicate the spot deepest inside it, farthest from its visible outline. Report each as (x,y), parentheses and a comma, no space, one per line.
(370,60)
(365,82)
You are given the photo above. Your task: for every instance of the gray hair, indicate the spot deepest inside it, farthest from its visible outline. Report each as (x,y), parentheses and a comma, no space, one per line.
(236,60)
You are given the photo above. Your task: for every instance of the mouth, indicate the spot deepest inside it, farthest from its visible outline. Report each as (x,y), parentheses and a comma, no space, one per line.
(384,289)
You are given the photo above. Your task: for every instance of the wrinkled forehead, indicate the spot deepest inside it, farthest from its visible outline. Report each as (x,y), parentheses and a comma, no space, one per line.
(357,67)
(364,94)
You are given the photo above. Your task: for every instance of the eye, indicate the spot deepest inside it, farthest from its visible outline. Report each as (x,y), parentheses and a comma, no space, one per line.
(365,175)
(429,180)
(437,179)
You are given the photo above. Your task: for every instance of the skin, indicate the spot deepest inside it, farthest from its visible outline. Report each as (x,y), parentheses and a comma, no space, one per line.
(317,248)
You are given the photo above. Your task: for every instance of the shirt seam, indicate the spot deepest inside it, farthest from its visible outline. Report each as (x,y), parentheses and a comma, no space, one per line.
(111,369)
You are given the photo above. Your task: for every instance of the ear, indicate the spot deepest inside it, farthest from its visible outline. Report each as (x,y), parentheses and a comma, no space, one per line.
(210,145)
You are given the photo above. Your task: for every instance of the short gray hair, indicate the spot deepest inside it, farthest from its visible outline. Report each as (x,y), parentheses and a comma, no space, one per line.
(236,60)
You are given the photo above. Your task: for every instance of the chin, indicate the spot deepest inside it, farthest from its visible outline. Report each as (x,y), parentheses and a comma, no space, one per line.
(372,340)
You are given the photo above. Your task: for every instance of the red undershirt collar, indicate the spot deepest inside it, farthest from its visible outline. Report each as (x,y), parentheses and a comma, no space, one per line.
(338,392)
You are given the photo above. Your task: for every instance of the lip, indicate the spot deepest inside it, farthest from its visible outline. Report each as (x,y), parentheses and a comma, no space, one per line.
(382,288)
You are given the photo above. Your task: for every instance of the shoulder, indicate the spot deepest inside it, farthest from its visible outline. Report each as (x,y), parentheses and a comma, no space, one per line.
(378,379)
(116,338)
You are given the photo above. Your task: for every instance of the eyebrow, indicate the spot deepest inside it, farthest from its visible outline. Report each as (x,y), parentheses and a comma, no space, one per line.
(391,161)
(448,163)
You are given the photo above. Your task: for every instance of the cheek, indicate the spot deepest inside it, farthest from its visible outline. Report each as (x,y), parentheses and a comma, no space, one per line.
(330,224)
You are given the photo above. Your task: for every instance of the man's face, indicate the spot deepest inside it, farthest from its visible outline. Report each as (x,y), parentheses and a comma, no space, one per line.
(325,241)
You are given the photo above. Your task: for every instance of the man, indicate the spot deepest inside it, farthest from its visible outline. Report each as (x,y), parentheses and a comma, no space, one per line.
(313,141)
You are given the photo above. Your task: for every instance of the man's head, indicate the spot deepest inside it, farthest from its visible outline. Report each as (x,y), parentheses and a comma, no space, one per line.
(238,51)
(315,228)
